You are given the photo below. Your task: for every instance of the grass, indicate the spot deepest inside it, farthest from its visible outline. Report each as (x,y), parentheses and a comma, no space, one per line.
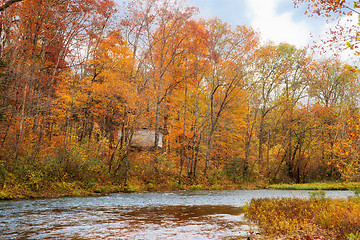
(316,218)
(318,186)
(58,189)
(54,189)
(48,189)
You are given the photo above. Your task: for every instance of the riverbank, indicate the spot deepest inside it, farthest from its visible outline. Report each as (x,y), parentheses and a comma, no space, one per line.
(318,186)
(78,189)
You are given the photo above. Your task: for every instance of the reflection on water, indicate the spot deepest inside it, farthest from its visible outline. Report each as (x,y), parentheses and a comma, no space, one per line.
(180,215)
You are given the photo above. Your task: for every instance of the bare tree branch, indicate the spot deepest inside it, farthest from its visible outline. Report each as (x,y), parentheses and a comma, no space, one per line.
(8,4)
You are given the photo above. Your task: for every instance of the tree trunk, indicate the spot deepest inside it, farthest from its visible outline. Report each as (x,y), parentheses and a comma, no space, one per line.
(182,149)
(261,140)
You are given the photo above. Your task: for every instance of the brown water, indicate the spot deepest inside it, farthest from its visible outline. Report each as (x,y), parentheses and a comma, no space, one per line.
(163,215)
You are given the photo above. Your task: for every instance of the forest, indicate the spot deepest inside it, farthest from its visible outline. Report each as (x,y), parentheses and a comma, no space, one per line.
(80,78)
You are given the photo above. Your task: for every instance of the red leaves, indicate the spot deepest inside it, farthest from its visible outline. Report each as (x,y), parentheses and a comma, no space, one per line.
(343,32)
(323,6)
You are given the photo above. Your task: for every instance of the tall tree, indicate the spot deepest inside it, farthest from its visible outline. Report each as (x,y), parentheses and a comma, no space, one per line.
(278,84)
(152,28)
(185,115)
(230,52)
(334,89)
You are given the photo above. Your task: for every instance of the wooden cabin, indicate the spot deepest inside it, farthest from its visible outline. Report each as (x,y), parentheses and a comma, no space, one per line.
(145,139)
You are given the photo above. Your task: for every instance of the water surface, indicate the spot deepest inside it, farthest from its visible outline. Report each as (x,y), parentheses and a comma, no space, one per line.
(158,215)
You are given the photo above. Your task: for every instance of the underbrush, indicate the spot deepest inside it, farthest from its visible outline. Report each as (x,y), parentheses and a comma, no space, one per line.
(318,186)
(41,185)
(315,218)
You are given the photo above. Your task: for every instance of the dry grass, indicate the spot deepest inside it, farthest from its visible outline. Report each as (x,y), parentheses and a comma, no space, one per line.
(317,218)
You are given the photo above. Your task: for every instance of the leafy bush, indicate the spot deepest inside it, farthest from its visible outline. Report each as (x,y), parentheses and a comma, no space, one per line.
(352,236)
(196,187)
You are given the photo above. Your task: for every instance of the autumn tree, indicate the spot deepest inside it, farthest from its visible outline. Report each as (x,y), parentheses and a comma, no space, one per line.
(230,52)
(334,89)
(312,128)
(103,99)
(152,28)
(184,105)
(333,95)
(39,39)
(296,67)
(277,86)
(113,97)
(346,152)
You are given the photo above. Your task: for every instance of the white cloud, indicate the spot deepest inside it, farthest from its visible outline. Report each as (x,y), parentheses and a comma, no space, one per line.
(277,27)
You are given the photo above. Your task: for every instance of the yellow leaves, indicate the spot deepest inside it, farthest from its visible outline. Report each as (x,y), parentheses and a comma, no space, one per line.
(113,57)
(347,152)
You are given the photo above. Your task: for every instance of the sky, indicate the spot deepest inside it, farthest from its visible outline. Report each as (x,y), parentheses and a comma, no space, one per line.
(277,20)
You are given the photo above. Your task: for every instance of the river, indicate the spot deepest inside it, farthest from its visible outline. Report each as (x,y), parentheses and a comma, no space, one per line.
(153,215)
